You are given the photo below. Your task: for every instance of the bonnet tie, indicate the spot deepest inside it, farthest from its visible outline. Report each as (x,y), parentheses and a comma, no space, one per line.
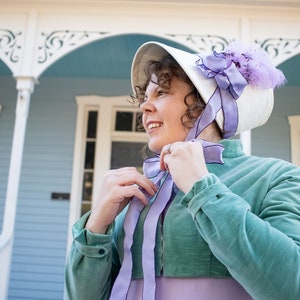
(212,154)
(230,85)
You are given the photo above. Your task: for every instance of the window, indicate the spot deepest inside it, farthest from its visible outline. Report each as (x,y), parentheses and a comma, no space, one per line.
(89,161)
(124,152)
(107,136)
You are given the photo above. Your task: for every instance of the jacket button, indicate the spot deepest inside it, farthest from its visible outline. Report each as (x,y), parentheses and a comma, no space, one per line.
(101,251)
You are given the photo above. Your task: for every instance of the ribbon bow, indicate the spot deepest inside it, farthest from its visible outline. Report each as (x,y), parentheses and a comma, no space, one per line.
(230,85)
(227,77)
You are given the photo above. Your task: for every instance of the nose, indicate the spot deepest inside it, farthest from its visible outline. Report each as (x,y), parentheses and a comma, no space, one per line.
(147,107)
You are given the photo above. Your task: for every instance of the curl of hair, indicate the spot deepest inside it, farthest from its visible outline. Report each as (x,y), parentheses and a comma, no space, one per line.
(164,70)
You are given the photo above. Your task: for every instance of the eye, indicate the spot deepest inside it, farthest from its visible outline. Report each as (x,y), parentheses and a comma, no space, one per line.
(142,100)
(161,92)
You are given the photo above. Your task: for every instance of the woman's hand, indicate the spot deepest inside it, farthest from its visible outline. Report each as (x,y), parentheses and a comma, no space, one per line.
(185,162)
(118,188)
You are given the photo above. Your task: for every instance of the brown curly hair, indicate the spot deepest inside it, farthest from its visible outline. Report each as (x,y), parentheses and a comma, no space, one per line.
(164,70)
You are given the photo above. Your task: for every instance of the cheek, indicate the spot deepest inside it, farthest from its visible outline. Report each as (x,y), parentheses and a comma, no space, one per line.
(177,129)
(176,118)
(143,120)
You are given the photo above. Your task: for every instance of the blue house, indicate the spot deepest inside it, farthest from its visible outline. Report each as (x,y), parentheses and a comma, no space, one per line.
(65,118)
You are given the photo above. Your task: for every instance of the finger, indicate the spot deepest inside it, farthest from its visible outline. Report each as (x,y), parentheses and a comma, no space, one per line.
(130,176)
(167,159)
(138,179)
(166,150)
(142,196)
(134,191)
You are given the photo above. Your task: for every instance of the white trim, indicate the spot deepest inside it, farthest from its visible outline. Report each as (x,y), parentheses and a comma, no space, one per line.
(128,136)
(294,122)
(77,165)
(41,32)
(25,86)
(106,107)
(245,138)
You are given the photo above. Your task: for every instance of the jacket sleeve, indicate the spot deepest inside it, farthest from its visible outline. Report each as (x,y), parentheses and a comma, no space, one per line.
(261,251)
(89,264)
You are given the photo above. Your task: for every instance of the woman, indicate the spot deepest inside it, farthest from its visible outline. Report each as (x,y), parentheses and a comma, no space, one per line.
(206,221)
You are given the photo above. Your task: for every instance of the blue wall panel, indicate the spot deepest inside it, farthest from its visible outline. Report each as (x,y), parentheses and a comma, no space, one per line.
(273,139)
(8,96)
(42,223)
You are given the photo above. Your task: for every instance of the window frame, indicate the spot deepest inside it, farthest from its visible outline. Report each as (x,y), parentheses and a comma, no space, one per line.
(105,135)
(294,122)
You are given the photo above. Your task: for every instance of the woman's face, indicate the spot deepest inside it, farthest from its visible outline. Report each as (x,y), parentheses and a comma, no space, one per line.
(162,113)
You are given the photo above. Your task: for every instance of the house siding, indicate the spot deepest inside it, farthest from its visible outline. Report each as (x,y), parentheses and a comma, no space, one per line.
(273,139)
(8,96)
(37,270)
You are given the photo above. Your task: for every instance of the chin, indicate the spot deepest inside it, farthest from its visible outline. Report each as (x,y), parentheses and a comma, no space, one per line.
(155,148)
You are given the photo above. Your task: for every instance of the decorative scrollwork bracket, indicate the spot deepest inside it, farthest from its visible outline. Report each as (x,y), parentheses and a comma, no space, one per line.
(10,46)
(201,43)
(62,40)
(280,49)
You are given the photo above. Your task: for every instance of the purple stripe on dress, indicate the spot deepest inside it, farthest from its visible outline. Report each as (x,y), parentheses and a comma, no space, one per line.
(122,283)
(170,288)
(149,242)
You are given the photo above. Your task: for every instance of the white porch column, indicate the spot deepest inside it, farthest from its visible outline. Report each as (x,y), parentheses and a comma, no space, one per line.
(25,87)
(245,138)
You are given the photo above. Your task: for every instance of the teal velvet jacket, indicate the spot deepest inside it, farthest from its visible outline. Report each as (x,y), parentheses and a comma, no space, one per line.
(241,220)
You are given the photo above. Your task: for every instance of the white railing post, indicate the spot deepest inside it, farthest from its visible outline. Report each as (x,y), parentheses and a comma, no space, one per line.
(25,87)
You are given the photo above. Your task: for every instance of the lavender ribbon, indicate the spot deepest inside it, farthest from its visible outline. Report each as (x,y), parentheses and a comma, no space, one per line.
(120,288)
(230,85)
(121,285)
(212,154)
(151,220)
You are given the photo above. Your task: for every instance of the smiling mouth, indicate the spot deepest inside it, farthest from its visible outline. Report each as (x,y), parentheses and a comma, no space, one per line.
(154,125)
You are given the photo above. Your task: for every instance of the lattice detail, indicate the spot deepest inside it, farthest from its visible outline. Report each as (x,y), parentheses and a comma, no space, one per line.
(280,48)
(202,43)
(10,45)
(62,40)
